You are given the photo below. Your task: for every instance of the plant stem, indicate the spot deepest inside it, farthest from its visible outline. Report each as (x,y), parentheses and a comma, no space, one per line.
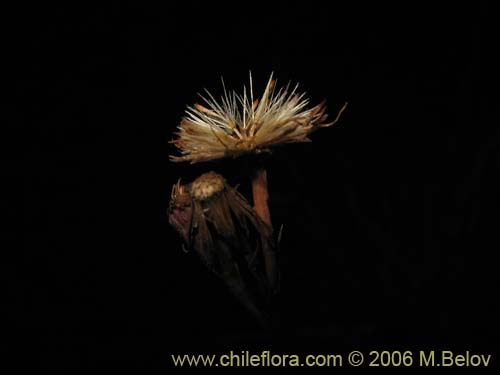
(260,196)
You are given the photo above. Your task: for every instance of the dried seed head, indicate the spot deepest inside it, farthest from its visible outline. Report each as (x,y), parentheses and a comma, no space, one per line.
(239,124)
(206,186)
(220,226)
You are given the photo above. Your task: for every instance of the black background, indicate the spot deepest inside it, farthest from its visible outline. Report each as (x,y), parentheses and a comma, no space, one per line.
(389,218)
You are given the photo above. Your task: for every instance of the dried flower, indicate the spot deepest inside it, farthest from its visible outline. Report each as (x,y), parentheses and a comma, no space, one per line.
(220,226)
(234,240)
(240,123)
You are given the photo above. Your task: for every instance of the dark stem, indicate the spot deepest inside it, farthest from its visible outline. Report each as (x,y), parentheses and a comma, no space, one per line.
(260,198)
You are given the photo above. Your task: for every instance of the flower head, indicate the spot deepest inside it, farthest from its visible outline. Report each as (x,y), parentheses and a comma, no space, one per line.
(206,186)
(213,218)
(240,123)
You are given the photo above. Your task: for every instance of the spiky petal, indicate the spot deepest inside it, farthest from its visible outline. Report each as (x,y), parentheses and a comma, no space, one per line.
(239,124)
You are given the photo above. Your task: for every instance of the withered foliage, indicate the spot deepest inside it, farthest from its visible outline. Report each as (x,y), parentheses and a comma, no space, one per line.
(218,224)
